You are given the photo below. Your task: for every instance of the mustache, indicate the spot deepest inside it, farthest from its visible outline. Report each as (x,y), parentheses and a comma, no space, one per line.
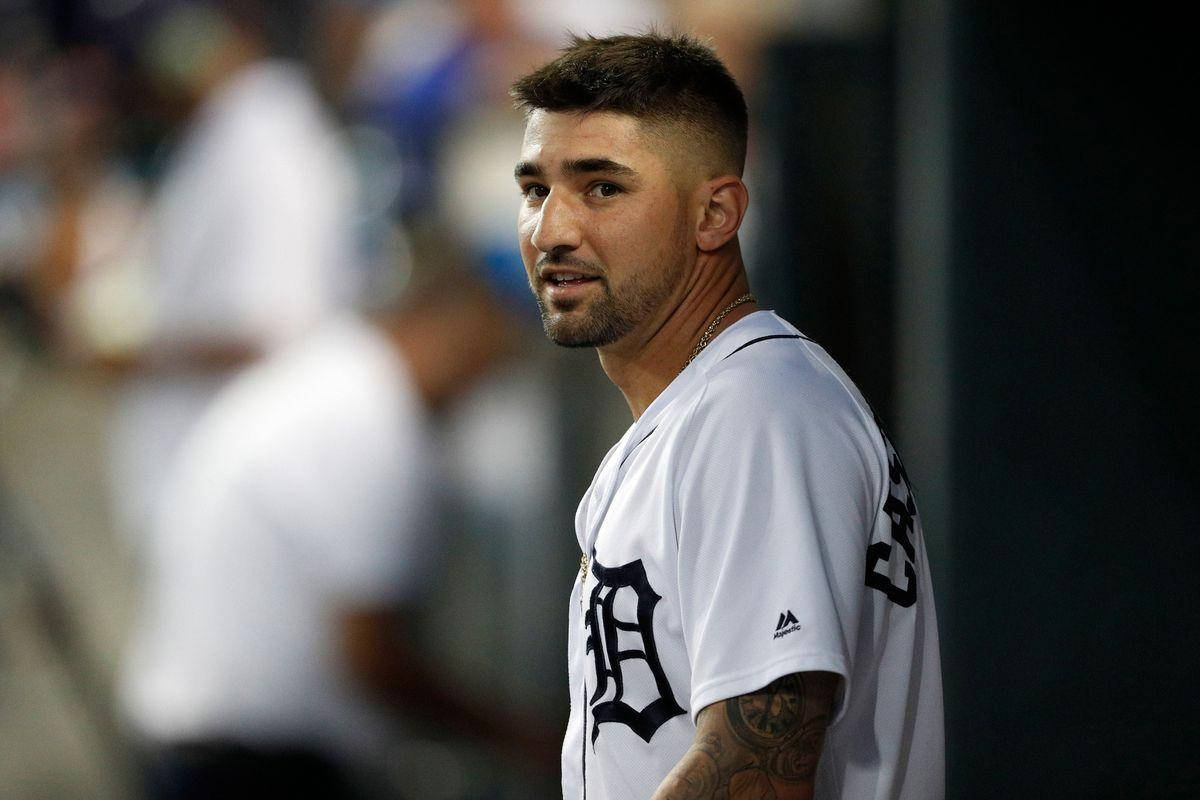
(565,259)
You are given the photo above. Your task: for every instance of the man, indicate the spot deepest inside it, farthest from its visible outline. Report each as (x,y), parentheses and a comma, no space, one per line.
(753,616)
(294,534)
(248,244)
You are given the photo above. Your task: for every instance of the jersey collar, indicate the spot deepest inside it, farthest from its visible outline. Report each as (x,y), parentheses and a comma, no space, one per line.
(746,329)
(750,327)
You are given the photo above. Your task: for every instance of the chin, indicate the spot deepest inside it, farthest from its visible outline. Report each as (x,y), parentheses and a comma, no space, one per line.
(566,335)
(586,332)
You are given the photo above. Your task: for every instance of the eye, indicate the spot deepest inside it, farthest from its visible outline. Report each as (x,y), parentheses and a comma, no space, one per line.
(534,191)
(604,189)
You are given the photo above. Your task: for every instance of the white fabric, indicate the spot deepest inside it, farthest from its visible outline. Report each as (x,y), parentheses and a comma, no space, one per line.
(248,242)
(748,494)
(304,491)
(251,234)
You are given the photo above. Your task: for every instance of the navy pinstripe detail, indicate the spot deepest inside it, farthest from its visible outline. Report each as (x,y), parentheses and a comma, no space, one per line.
(636,446)
(765,338)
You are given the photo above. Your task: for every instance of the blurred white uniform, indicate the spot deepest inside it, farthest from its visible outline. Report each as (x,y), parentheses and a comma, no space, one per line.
(305,490)
(248,242)
(753,523)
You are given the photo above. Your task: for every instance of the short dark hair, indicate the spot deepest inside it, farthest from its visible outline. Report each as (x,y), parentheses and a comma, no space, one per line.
(655,77)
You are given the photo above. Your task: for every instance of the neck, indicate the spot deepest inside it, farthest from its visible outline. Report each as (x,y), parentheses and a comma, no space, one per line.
(448,351)
(228,59)
(643,367)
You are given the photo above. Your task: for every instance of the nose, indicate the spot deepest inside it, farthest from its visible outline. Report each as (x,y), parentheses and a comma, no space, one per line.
(558,225)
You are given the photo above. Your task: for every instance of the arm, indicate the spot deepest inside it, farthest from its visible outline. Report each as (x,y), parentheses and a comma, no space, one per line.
(383,654)
(759,746)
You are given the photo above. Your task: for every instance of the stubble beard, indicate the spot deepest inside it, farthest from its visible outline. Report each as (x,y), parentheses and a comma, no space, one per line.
(602,324)
(611,316)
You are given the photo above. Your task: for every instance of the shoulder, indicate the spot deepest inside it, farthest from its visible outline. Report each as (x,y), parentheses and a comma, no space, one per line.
(320,431)
(779,413)
(332,391)
(782,385)
(269,124)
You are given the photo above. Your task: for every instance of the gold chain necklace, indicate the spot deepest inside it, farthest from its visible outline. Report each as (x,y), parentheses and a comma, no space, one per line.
(700,345)
(708,332)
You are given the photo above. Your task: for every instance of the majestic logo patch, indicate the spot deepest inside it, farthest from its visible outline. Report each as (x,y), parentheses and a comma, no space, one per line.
(787,624)
(613,642)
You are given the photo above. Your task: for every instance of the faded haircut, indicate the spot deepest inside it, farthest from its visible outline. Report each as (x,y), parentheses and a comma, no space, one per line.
(656,78)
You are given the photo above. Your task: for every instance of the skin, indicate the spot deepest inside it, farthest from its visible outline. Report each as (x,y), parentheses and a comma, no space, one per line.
(760,746)
(382,651)
(657,237)
(643,220)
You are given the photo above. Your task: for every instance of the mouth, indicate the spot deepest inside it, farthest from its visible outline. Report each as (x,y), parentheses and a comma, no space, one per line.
(568,278)
(564,287)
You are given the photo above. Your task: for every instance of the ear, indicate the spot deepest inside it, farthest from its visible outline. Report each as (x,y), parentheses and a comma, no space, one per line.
(723,206)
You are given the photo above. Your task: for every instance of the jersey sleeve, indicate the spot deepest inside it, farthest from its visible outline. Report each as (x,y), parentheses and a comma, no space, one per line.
(775,500)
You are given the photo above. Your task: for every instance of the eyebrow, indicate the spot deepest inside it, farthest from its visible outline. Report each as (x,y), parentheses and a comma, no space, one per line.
(584,165)
(527,169)
(576,166)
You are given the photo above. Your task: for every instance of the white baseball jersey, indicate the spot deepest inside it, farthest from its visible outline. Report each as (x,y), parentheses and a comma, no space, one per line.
(753,523)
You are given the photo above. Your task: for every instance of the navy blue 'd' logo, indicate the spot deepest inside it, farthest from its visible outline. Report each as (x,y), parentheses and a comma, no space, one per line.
(604,644)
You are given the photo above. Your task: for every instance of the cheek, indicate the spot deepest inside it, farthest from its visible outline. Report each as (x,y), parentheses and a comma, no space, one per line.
(526,224)
(649,233)
(637,228)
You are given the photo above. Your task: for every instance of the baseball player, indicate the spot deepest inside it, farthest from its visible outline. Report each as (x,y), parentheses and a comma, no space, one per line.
(753,615)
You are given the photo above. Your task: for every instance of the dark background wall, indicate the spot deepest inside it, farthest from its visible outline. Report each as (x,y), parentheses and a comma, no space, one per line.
(829,124)
(1071,616)
(1066,561)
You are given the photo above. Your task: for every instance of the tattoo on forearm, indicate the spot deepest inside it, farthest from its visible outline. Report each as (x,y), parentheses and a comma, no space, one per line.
(700,779)
(760,746)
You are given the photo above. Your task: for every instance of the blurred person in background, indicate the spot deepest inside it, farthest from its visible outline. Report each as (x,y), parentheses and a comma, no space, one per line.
(94,205)
(247,242)
(297,528)
(23,184)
